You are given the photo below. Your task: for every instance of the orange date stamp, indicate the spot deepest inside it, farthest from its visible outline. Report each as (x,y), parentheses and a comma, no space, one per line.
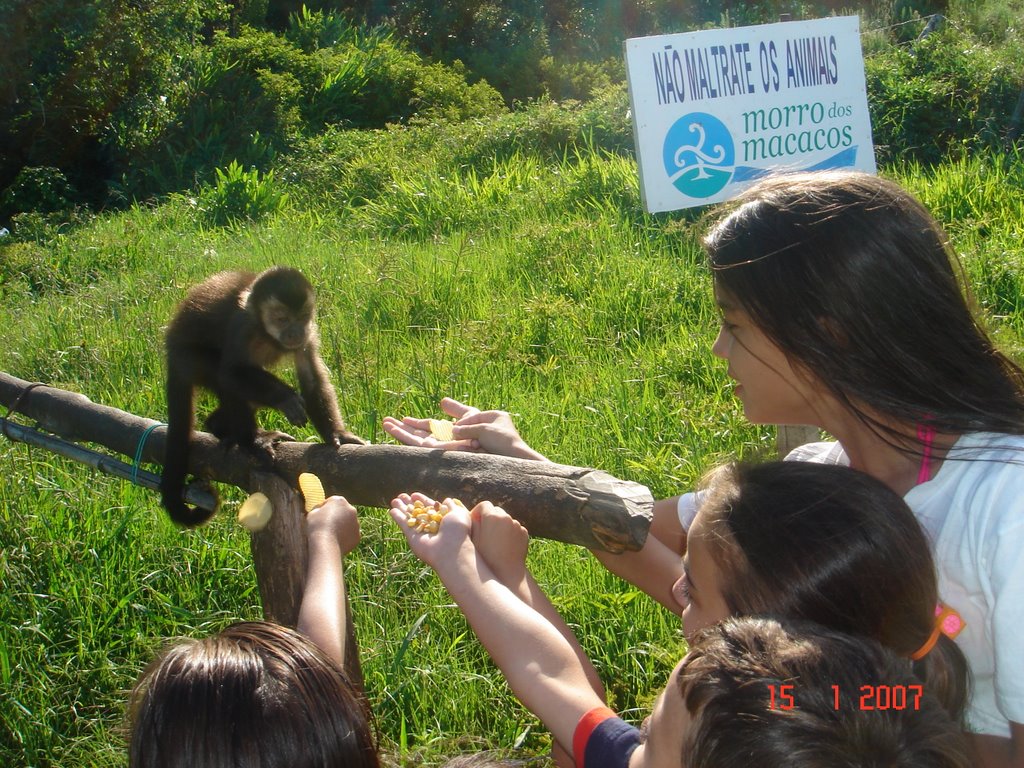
(869,697)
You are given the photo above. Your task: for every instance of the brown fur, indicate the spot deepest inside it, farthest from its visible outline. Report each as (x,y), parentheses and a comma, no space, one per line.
(225,334)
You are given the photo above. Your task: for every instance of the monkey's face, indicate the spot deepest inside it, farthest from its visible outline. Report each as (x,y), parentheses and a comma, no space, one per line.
(289,327)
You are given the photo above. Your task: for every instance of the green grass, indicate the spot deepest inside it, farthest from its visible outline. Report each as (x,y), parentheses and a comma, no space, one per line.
(535,285)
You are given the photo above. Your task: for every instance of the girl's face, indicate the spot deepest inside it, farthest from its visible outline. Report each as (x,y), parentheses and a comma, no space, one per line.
(661,740)
(771,391)
(699,589)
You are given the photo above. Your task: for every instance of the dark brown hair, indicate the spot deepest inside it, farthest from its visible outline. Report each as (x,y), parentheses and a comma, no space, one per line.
(853,279)
(835,546)
(256,694)
(727,685)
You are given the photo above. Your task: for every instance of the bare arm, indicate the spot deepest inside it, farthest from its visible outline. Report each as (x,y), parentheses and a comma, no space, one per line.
(654,569)
(333,532)
(996,752)
(658,564)
(502,542)
(535,597)
(540,665)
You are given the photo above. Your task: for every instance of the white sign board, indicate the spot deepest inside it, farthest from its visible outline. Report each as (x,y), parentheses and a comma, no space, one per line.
(715,110)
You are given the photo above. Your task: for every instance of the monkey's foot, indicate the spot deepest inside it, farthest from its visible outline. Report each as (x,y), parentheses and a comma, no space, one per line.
(273,436)
(262,449)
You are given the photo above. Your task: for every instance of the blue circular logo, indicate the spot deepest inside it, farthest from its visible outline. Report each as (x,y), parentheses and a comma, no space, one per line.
(699,154)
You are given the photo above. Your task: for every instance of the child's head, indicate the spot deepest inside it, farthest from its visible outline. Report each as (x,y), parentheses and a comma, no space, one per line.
(757,691)
(821,543)
(854,281)
(255,694)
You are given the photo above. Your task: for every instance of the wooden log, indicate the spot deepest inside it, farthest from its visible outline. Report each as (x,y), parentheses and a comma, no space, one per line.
(280,554)
(577,505)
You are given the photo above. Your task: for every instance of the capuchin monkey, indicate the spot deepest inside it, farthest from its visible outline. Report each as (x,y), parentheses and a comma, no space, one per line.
(223,336)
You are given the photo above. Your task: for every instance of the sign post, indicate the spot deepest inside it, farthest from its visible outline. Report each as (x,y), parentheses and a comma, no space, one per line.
(715,110)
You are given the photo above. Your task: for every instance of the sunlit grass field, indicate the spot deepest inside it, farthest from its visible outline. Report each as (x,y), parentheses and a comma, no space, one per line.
(533,285)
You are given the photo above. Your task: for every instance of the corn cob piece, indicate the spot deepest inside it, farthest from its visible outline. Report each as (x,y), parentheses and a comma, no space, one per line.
(441,430)
(255,512)
(312,490)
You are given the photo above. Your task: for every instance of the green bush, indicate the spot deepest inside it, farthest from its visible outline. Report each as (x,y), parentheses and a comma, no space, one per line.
(578,79)
(312,30)
(44,190)
(252,97)
(130,100)
(223,112)
(548,128)
(946,95)
(443,93)
(80,80)
(240,195)
(340,169)
(994,22)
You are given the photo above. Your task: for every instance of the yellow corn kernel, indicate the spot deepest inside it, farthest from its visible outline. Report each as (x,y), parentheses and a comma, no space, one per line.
(426,518)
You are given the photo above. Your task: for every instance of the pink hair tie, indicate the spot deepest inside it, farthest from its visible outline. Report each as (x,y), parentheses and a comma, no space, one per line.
(926,434)
(947,622)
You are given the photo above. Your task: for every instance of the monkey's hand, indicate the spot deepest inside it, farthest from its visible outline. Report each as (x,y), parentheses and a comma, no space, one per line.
(345,437)
(294,410)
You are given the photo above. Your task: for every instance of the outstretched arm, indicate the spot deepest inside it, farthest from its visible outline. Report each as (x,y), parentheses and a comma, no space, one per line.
(332,532)
(541,666)
(658,564)
(502,542)
(654,569)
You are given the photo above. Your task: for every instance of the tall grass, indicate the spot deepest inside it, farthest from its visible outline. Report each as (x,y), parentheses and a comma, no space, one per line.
(532,284)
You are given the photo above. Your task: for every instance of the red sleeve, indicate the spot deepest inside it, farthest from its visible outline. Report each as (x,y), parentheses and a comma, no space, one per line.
(584,728)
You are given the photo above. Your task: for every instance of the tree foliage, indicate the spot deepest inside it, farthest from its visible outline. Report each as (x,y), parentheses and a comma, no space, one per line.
(129,99)
(78,78)
(107,101)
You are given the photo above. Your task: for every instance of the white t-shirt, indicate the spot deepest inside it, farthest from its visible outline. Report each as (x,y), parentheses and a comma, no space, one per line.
(973,512)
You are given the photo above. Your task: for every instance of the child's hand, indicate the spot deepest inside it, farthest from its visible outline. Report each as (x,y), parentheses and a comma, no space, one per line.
(434,549)
(336,518)
(473,430)
(501,541)
(417,432)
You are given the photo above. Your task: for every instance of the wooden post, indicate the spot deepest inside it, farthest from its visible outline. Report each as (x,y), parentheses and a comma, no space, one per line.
(792,436)
(1015,121)
(280,553)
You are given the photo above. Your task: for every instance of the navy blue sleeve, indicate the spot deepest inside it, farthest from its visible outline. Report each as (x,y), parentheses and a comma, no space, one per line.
(611,744)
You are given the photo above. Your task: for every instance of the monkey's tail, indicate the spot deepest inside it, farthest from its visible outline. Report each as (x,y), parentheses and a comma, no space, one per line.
(180,417)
